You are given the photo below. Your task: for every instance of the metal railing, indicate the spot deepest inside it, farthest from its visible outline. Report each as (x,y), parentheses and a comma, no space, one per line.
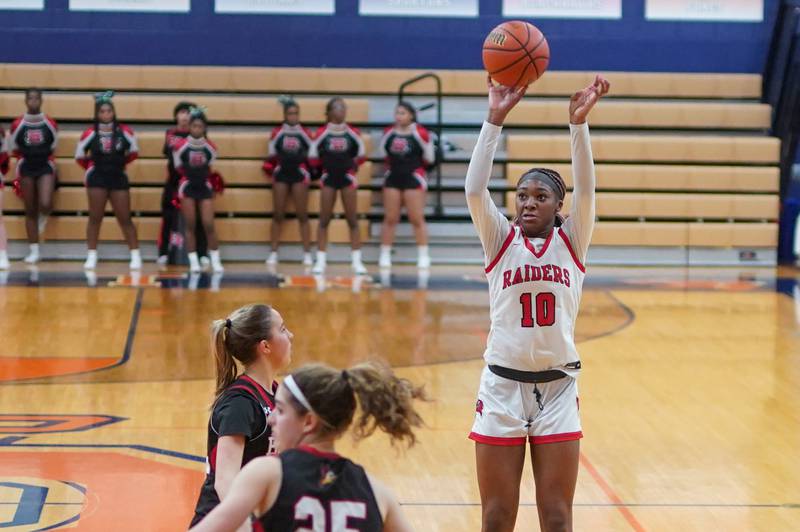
(437,129)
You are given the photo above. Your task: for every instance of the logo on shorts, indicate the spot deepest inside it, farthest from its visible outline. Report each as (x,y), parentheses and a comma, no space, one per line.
(479,407)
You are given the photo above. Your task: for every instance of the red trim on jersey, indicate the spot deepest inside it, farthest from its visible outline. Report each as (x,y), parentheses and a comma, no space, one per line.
(565,238)
(316,452)
(212,459)
(261,391)
(544,247)
(494,440)
(257,526)
(503,249)
(556,438)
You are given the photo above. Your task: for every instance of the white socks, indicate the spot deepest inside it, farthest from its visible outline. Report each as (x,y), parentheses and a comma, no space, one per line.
(272,260)
(322,262)
(385,260)
(307,261)
(216,262)
(136,260)
(91,260)
(194,262)
(33,255)
(4,264)
(423,257)
(356,264)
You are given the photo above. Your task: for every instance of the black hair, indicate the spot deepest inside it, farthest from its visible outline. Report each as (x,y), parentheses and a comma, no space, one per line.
(288,102)
(551,178)
(31,90)
(182,106)
(330,104)
(99,102)
(408,107)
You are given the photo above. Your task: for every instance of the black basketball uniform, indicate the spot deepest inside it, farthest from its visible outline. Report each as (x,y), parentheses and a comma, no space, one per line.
(193,159)
(406,155)
(104,152)
(338,151)
(33,140)
(3,157)
(242,409)
(321,491)
(287,157)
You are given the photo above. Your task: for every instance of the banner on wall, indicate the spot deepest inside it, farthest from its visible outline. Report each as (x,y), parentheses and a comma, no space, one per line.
(419,8)
(286,7)
(707,10)
(36,5)
(147,6)
(608,9)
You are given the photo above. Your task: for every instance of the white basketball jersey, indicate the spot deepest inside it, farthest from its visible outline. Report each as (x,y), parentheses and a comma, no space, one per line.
(534,301)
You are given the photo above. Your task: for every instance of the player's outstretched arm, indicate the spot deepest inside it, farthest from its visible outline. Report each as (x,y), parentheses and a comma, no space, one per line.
(490,223)
(580,224)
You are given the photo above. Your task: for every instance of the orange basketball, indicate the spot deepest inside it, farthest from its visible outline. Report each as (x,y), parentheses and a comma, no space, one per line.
(515,53)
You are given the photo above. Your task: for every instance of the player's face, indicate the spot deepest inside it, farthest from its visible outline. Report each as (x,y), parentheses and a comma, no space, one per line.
(105,114)
(402,117)
(34,102)
(287,424)
(292,116)
(197,128)
(182,119)
(537,205)
(338,112)
(280,342)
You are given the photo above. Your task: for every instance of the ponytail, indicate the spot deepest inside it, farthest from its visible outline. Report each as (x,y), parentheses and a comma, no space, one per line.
(386,401)
(226,364)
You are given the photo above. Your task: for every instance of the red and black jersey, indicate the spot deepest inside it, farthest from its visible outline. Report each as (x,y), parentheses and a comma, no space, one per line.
(288,150)
(172,138)
(338,149)
(322,491)
(33,139)
(3,156)
(107,149)
(242,409)
(407,152)
(193,158)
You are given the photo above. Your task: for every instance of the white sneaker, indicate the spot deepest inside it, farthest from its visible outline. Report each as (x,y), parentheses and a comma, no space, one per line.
(205,262)
(194,264)
(319,267)
(135,263)
(4,263)
(358,267)
(272,260)
(217,267)
(91,262)
(32,257)
(307,261)
(162,260)
(424,262)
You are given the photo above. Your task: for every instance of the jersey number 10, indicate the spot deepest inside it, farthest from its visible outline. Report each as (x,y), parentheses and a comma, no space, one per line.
(545,309)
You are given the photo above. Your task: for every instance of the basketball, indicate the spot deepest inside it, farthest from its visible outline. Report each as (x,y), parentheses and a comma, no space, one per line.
(515,53)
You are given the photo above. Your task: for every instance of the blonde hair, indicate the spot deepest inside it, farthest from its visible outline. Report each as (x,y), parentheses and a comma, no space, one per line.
(385,401)
(235,338)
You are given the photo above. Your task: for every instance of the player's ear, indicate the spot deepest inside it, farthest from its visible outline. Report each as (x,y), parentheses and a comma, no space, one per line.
(263,347)
(559,205)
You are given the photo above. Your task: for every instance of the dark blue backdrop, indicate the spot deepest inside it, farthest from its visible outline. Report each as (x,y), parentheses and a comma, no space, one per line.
(349,40)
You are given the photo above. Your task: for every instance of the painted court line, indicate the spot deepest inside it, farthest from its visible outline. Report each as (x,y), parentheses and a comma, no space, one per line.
(611,494)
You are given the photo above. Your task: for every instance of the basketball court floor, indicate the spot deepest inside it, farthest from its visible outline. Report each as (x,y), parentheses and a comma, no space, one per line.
(690,392)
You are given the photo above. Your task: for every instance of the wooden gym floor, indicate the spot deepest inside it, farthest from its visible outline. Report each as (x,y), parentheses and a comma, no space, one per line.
(690,392)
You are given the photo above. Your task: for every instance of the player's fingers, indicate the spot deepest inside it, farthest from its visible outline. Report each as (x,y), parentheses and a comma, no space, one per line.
(489,82)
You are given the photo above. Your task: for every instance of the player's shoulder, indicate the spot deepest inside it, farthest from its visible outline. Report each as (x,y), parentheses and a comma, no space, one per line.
(423,132)
(88,132)
(49,120)
(210,144)
(126,129)
(354,130)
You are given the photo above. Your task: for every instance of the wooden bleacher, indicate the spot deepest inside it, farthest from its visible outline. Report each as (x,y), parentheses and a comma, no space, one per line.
(658,185)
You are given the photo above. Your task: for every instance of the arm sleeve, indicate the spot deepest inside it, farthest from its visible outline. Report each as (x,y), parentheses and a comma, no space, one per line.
(580,224)
(490,223)
(236,416)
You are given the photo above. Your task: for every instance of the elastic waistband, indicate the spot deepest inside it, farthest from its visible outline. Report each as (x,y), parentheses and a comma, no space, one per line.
(532,376)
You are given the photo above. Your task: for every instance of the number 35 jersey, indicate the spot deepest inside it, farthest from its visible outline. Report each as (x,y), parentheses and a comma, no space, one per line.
(535,294)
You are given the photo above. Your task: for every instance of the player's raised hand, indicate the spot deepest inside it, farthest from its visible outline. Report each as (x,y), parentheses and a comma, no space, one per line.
(501,100)
(583,101)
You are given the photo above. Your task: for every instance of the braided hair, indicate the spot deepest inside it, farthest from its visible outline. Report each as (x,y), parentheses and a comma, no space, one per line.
(101,99)
(549,177)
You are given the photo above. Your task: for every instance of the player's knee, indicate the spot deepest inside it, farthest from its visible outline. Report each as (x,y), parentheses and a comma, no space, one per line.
(277,217)
(555,518)
(352,223)
(323,223)
(302,217)
(499,517)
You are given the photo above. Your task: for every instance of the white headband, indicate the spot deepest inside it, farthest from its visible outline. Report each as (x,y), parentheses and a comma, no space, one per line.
(294,389)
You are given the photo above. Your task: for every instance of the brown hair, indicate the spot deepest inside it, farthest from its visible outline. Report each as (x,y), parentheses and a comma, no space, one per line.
(330,104)
(549,177)
(385,400)
(235,338)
